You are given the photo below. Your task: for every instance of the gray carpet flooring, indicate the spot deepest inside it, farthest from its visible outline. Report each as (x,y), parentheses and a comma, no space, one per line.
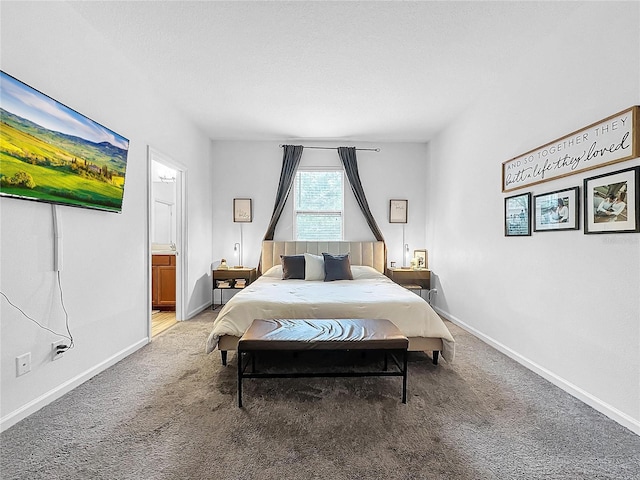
(169,412)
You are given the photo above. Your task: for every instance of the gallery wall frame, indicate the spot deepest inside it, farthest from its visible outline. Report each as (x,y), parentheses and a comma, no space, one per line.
(612,202)
(398,211)
(558,210)
(517,215)
(242,210)
(421,259)
(612,140)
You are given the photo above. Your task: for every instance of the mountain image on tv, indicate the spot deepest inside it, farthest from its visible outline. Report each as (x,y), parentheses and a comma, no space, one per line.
(51,153)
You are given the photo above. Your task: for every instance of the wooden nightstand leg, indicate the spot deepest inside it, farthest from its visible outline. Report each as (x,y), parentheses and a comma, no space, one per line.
(223,355)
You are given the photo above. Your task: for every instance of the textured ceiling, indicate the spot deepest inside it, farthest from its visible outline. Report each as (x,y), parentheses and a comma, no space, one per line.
(379,71)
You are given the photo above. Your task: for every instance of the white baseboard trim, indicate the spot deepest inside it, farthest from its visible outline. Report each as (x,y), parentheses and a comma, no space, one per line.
(36,404)
(198,310)
(594,402)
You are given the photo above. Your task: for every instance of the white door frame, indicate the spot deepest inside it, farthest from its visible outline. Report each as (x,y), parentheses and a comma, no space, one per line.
(181,242)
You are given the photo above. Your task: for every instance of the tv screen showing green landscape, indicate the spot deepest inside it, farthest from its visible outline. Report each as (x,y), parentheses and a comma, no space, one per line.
(51,153)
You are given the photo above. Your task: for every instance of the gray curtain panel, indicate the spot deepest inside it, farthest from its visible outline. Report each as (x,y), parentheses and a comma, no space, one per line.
(350,162)
(290,161)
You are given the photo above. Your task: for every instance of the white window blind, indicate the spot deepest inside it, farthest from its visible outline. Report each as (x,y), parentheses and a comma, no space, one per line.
(318,204)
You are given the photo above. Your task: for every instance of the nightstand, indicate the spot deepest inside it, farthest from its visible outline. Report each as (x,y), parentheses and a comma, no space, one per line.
(230,276)
(411,279)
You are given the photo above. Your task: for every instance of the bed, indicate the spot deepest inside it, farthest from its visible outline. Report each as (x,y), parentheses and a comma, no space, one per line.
(369,295)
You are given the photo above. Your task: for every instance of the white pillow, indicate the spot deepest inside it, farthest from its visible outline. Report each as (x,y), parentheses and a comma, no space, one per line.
(361,272)
(274,272)
(313,267)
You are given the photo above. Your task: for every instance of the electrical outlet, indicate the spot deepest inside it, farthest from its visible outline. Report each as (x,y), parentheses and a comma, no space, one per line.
(55,355)
(23,364)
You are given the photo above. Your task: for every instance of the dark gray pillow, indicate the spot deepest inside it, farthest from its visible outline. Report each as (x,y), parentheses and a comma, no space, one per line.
(337,267)
(292,267)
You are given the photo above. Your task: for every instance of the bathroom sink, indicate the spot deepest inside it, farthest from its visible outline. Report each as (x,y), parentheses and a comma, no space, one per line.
(163,249)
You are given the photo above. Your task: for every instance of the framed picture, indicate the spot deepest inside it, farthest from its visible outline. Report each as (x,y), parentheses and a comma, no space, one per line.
(557,210)
(421,257)
(398,211)
(517,215)
(612,202)
(242,211)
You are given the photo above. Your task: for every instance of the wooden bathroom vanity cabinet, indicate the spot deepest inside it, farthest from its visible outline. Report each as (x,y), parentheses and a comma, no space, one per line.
(163,282)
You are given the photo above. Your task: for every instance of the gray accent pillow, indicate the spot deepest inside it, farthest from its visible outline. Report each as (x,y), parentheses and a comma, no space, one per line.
(292,267)
(337,267)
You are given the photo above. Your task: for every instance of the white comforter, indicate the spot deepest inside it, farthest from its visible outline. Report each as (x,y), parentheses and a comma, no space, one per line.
(369,295)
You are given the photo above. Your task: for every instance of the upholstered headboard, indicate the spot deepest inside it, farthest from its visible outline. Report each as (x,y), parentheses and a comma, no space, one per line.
(371,253)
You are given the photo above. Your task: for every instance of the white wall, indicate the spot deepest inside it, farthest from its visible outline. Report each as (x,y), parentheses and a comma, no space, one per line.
(564,303)
(105,255)
(252,170)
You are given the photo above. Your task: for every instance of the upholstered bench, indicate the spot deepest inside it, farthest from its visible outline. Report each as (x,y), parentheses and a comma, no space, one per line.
(323,334)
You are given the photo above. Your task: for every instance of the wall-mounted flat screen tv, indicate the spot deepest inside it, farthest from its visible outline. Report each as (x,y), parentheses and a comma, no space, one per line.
(51,153)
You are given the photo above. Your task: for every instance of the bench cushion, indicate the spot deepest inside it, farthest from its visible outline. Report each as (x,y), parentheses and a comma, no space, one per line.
(322,334)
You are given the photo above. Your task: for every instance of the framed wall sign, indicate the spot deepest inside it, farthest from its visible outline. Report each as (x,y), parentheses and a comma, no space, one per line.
(517,215)
(557,210)
(612,202)
(614,139)
(242,210)
(398,211)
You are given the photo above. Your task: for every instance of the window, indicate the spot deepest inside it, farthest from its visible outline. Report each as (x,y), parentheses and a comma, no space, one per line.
(318,204)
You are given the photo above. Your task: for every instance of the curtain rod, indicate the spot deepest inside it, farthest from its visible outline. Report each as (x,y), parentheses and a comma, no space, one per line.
(335,148)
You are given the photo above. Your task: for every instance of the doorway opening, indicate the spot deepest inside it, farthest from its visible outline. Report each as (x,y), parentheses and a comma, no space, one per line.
(166,235)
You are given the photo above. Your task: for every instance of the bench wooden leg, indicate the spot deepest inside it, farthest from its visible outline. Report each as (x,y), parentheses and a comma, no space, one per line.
(436,353)
(223,355)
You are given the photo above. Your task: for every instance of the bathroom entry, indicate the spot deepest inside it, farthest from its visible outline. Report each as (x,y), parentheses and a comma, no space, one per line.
(163,209)
(166,241)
